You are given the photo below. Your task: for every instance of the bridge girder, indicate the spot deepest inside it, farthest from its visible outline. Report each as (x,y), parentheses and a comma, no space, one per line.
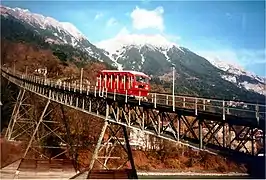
(202,130)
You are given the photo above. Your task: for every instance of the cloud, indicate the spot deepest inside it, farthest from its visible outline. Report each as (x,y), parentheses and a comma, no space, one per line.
(112,21)
(173,38)
(143,19)
(98,15)
(126,37)
(123,31)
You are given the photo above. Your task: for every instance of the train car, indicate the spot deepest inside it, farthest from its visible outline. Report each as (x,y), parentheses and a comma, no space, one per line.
(132,83)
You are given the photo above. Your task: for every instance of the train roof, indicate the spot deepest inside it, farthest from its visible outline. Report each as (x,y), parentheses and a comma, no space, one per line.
(132,72)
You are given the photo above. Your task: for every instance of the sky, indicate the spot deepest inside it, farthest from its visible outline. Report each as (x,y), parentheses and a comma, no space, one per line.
(232,31)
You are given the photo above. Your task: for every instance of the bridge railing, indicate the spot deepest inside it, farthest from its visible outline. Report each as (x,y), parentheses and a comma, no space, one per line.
(197,104)
(210,105)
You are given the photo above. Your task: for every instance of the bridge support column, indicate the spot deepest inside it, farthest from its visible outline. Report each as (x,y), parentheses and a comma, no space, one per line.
(34,133)
(200,134)
(21,119)
(130,156)
(96,151)
(229,145)
(44,142)
(69,139)
(112,153)
(224,134)
(14,114)
(239,131)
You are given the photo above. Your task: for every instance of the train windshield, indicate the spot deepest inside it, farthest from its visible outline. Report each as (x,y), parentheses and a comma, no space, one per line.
(142,79)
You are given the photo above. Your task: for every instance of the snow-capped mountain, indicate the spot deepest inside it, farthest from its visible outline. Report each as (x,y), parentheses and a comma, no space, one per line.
(155,54)
(54,31)
(134,51)
(138,40)
(234,69)
(152,54)
(42,22)
(242,78)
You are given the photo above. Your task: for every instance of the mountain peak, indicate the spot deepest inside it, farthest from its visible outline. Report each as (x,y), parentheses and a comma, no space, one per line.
(72,30)
(238,75)
(233,68)
(152,54)
(23,10)
(124,39)
(43,21)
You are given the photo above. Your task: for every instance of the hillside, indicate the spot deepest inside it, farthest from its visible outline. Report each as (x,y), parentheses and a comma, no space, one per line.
(86,127)
(237,75)
(24,45)
(195,75)
(153,55)
(53,32)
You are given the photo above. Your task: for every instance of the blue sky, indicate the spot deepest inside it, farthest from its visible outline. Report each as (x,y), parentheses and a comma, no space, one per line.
(233,31)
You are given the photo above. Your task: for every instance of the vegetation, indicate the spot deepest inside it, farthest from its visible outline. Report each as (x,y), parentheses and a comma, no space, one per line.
(13,30)
(22,47)
(8,97)
(194,74)
(182,158)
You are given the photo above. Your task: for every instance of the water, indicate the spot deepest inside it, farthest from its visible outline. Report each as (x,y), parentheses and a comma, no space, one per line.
(192,177)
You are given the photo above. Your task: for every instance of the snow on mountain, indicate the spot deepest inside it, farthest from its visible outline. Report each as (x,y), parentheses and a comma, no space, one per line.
(242,78)
(137,40)
(125,39)
(126,45)
(42,21)
(54,31)
(72,30)
(152,54)
(234,69)
(133,50)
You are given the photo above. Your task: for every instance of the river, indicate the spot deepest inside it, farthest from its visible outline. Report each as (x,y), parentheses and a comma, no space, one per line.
(191,175)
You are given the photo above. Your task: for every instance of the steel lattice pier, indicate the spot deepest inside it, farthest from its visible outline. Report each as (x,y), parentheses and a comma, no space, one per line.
(227,134)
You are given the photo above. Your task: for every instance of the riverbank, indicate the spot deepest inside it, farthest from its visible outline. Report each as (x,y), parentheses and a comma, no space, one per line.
(184,160)
(189,175)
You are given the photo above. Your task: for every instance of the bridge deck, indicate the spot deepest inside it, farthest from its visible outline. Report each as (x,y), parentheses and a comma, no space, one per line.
(230,119)
(123,110)
(254,117)
(214,116)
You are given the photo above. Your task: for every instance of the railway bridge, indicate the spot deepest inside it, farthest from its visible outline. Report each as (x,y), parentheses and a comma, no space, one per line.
(235,129)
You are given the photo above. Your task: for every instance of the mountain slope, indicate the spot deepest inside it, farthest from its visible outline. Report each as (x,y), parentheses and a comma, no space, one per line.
(54,32)
(144,53)
(153,55)
(240,77)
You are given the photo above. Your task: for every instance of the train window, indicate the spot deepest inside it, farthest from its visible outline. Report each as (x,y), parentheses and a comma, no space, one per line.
(142,79)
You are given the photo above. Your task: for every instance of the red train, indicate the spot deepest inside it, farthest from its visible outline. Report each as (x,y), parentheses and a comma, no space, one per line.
(135,83)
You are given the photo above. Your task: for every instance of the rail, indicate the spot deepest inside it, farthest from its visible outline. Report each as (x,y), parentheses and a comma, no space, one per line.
(222,107)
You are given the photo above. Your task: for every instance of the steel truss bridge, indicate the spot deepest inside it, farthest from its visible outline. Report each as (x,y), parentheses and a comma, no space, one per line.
(218,126)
